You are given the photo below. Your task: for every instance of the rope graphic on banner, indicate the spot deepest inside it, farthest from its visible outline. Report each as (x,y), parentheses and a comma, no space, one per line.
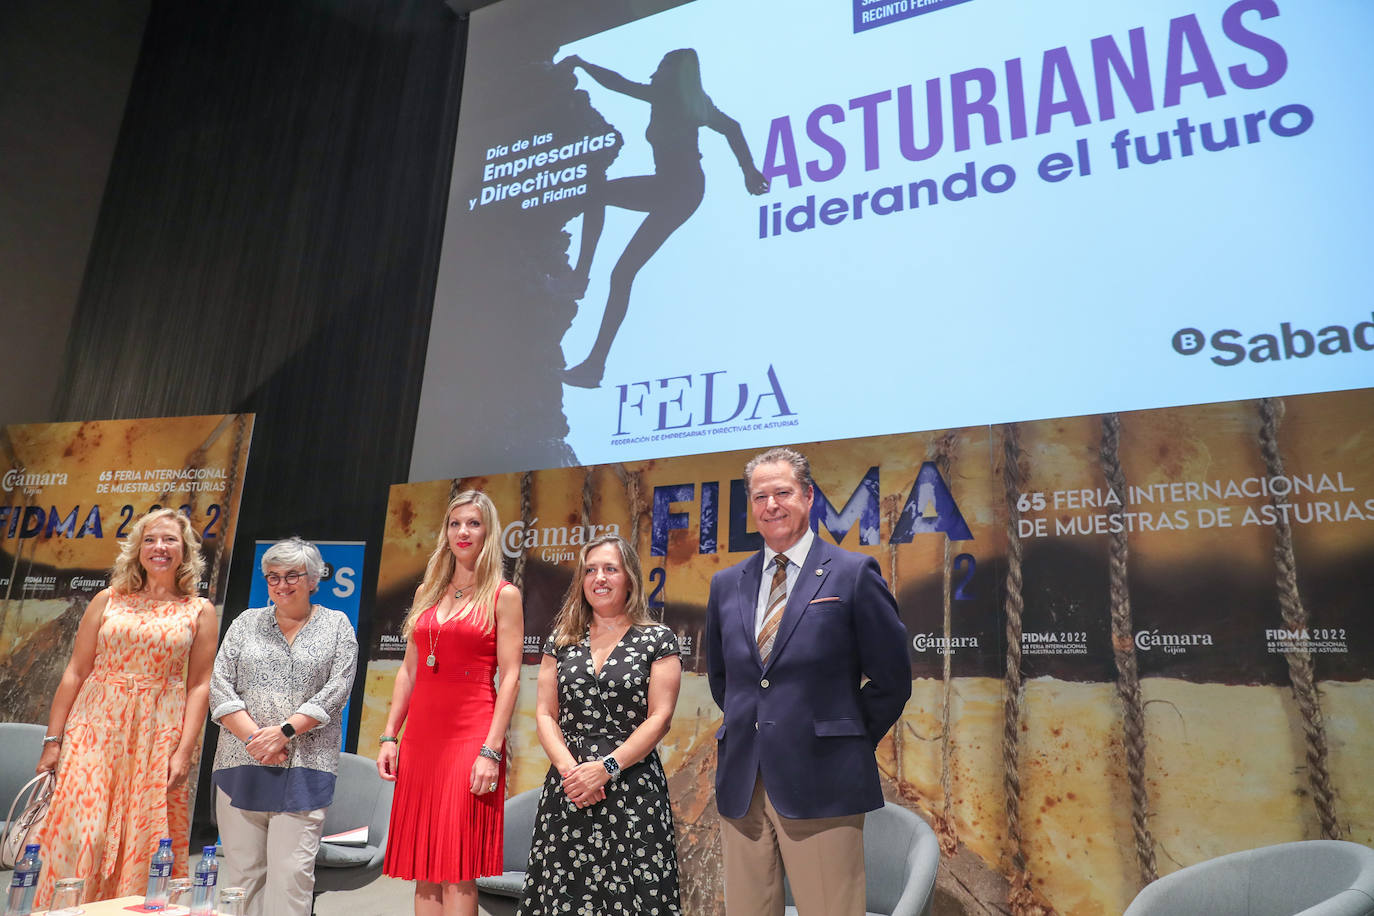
(633,481)
(517,576)
(1301,670)
(892,510)
(945,829)
(1019,895)
(586,518)
(195,460)
(26,501)
(1123,652)
(230,497)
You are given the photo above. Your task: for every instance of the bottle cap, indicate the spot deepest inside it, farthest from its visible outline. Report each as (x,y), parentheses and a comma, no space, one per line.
(31,849)
(165,841)
(208,851)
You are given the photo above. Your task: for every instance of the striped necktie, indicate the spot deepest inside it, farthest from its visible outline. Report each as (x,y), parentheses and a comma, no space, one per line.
(777,601)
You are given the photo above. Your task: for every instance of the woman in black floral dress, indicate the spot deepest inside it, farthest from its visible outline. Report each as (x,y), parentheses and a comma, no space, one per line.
(603,838)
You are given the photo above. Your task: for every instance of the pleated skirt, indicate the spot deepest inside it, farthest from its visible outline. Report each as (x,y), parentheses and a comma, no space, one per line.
(440,831)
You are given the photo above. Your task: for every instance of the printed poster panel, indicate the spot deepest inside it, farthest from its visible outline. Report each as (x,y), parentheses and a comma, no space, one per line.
(1210,550)
(70,493)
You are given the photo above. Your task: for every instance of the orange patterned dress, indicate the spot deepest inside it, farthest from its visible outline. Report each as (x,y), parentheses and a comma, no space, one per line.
(112,803)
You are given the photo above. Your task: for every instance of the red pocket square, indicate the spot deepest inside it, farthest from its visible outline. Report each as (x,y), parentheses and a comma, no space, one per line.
(823,600)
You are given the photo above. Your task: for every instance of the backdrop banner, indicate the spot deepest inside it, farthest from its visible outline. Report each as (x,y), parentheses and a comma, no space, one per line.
(1137,640)
(726,224)
(69,494)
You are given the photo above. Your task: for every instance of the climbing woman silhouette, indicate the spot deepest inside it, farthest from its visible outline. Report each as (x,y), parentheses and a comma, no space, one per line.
(678,108)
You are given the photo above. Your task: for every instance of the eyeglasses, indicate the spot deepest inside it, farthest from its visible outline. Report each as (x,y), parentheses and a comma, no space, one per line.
(290,578)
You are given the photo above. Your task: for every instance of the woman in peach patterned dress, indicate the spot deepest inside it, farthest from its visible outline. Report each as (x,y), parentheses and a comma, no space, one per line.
(125,726)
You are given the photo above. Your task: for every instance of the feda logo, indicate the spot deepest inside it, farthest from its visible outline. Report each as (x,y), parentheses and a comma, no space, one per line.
(699,405)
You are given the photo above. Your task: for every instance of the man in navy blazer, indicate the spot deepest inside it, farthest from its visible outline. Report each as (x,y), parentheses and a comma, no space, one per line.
(789,644)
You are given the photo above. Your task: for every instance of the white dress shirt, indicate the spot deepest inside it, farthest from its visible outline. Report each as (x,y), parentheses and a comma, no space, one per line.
(796,556)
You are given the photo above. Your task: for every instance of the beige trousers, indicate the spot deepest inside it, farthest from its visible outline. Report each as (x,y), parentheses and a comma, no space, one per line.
(822,856)
(288,840)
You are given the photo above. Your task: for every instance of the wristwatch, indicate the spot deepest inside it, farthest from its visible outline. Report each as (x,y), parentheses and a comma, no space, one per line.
(611,766)
(288,729)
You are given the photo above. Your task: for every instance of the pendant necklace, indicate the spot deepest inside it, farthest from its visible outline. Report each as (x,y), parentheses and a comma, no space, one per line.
(434,633)
(434,637)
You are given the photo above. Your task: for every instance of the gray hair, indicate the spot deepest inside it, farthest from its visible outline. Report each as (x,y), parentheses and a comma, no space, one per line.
(293,552)
(801,468)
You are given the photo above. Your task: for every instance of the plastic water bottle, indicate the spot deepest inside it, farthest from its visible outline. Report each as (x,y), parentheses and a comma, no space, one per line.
(203,891)
(24,884)
(158,874)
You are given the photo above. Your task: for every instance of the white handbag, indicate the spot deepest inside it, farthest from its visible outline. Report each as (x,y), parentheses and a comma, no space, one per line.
(20,829)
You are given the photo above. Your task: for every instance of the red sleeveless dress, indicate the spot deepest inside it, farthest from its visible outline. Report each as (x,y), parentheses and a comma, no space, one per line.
(439,830)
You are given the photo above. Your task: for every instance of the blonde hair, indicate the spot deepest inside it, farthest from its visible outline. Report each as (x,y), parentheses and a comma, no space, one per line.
(439,571)
(294,551)
(127,575)
(576,614)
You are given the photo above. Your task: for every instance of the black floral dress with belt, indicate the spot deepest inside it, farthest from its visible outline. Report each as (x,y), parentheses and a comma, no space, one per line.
(618,855)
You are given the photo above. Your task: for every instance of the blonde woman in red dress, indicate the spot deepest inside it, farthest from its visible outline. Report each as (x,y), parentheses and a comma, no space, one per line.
(465,630)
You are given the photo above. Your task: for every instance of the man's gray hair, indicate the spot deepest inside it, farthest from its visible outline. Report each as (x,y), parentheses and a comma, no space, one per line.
(295,552)
(801,468)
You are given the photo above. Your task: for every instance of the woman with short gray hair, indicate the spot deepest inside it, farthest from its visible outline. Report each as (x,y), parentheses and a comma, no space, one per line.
(281,678)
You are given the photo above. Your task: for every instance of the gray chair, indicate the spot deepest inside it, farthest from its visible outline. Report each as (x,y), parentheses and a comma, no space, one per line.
(21,744)
(1307,878)
(361,797)
(500,894)
(901,856)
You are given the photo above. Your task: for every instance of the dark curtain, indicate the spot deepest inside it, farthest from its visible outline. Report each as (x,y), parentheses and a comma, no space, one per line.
(269,242)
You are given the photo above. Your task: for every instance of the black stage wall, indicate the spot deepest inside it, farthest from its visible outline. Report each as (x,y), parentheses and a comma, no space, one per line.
(268,244)
(65,70)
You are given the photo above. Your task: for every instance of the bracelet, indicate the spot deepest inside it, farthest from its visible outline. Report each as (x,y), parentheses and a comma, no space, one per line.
(489,754)
(383,739)
(52,739)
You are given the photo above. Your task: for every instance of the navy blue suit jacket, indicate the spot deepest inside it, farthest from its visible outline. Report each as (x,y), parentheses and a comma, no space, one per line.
(802,721)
